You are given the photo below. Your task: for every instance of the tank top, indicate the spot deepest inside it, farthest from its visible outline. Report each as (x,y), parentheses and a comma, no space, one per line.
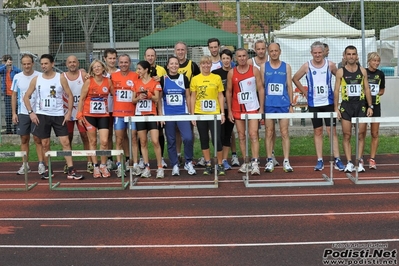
(174,96)
(76,88)
(187,70)
(49,96)
(320,92)
(245,97)
(96,102)
(352,86)
(276,92)
(147,106)
(376,82)
(123,88)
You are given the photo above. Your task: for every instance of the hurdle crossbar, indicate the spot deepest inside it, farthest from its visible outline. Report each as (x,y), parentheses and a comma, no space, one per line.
(134,181)
(328,180)
(362,120)
(17,154)
(56,186)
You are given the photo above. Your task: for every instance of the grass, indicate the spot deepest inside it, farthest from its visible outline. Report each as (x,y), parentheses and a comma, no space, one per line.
(300,146)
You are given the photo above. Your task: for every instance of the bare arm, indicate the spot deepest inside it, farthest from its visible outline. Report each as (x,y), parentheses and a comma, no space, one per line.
(229,94)
(303,70)
(337,87)
(260,89)
(289,86)
(28,95)
(67,90)
(367,92)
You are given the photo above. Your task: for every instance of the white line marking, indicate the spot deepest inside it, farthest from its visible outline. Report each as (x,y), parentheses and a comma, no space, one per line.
(203,245)
(351,194)
(253,216)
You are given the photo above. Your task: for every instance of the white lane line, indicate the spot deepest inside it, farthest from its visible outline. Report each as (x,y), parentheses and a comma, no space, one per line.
(204,245)
(351,194)
(253,216)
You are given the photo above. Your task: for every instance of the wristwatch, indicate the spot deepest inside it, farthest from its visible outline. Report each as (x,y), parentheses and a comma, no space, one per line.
(30,111)
(371,107)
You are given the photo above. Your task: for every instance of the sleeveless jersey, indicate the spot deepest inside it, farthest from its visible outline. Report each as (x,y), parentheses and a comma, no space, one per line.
(123,90)
(20,85)
(96,102)
(376,82)
(49,96)
(352,85)
(245,97)
(76,88)
(216,65)
(276,92)
(320,92)
(207,89)
(187,70)
(174,96)
(147,106)
(254,63)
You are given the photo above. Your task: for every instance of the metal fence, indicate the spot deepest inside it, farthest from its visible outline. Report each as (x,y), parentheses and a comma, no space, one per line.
(86,30)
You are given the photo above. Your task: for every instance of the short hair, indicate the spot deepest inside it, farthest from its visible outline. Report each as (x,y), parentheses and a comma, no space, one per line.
(125,55)
(47,56)
(205,58)
(227,52)
(172,57)
(276,44)
(110,51)
(373,55)
(241,49)
(102,64)
(350,47)
(6,57)
(325,45)
(317,44)
(180,42)
(150,48)
(27,56)
(213,40)
(260,41)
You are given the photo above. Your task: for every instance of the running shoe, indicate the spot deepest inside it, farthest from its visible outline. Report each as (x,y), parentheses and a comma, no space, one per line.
(41,168)
(176,170)
(360,168)
(127,166)
(226,165)
(110,165)
(221,170)
(160,173)
(90,167)
(201,162)
(118,170)
(141,163)
(65,169)
(104,171)
(276,163)
(243,168)
(73,175)
(146,173)
(21,170)
(269,166)
(136,171)
(96,172)
(164,165)
(46,175)
(255,168)
(319,166)
(287,167)
(180,159)
(234,160)
(208,170)
(339,165)
(349,168)
(190,168)
(372,164)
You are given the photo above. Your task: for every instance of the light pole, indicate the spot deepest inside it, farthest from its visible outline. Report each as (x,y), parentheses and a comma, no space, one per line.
(152,16)
(111,30)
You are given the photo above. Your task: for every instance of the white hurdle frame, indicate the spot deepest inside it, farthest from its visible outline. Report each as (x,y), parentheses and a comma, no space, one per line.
(328,180)
(55,186)
(134,179)
(17,154)
(361,120)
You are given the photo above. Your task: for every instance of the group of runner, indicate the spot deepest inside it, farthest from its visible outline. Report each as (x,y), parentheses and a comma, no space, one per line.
(98,102)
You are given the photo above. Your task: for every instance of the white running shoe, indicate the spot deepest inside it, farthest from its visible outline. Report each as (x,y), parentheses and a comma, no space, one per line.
(111,165)
(146,173)
(287,167)
(201,162)
(141,163)
(349,168)
(164,165)
(360,168)
(41,168)
(269,166)
(190,168)
(136,171)
(160,173)
(243,168)
(119,171)
(276,163)
(235,161)
(176,170)
(21,170)
(255,168)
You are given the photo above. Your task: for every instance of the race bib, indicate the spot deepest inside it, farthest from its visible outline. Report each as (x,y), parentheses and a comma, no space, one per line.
(97,107)
(320,91)
(208,105)
(374,89)
(353,89)
(245,97)
(48,104)
(275,89)
(144,106)
(76,100)
(174,99)
(124,96)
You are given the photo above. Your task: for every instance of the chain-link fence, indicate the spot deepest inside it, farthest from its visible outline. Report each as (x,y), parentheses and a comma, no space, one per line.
(86,30)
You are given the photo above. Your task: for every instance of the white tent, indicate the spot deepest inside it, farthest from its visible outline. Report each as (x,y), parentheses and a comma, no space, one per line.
(391,34)
(320,24)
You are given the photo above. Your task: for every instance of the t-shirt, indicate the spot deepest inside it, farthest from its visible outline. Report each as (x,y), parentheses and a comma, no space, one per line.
(123,90)
(376,82)
(20,84)
(146,106)
(207,90)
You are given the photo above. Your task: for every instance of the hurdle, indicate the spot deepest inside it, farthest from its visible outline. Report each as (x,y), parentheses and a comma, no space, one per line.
(327,180)
(134,180)
(56,186)
(19,154)
(360,120)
